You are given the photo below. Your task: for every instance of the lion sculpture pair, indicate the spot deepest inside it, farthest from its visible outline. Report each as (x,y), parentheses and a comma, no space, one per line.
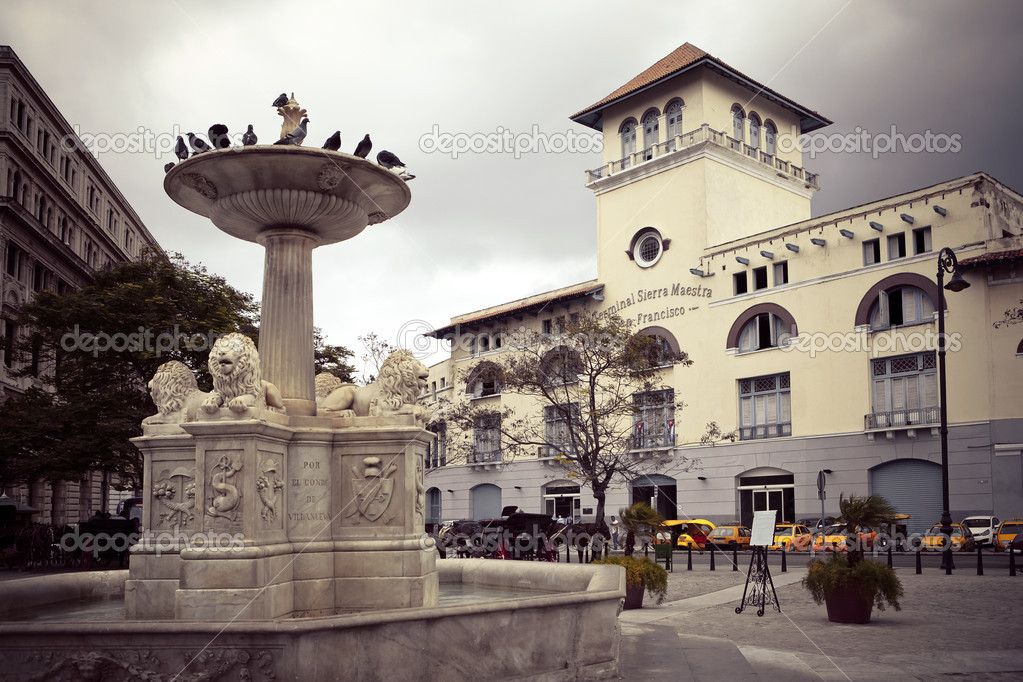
(238,386)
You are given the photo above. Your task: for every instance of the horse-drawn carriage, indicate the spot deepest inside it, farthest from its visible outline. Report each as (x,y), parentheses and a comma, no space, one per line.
(517,535)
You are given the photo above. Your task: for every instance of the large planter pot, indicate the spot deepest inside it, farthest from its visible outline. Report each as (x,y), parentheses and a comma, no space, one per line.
(848,605)
(634,596)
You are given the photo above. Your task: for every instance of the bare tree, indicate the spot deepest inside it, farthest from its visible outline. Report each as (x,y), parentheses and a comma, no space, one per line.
(587,392)
(377,351)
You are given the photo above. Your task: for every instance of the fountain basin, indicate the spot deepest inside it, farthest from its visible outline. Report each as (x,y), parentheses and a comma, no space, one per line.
(565,627)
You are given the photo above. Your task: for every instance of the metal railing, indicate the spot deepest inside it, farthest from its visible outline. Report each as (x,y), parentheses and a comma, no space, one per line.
(901,418)
(765,431)
(700,135)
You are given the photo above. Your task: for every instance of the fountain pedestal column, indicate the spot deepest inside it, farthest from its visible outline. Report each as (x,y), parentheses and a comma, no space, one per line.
(286,319)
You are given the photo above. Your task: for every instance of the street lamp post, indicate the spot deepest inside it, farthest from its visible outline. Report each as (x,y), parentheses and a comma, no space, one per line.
(946,263)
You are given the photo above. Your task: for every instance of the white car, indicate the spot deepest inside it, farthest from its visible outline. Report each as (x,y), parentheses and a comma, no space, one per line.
(984,528)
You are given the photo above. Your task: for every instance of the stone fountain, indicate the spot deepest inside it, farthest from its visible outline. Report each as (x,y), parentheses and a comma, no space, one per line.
(284,513)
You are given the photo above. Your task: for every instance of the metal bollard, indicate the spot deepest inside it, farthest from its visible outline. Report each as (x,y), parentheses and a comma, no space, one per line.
(784,565)
(889,555)
(712,558)
(980,562)
(735,557)
(919,569)
(689,558)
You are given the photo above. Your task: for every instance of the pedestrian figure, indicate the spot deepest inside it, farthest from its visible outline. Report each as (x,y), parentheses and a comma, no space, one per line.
(614,531)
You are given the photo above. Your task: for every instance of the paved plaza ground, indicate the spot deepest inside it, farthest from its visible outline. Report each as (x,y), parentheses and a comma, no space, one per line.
(962,626)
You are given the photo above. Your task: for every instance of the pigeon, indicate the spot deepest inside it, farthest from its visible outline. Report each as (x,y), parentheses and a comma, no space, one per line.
(198,145)
(281,100)
(363,147)
(167,167)
(295,136)
(218,136)
(388,160)
(333,142)
(391,162)
(248,137)
(181,149)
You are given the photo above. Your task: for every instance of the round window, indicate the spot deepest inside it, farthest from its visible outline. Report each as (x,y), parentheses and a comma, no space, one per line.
(649,250)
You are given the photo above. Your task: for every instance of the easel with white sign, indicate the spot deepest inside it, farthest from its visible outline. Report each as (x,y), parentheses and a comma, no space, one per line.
(758,579)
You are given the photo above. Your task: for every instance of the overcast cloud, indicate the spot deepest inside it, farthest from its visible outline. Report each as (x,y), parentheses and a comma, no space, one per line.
(483,229)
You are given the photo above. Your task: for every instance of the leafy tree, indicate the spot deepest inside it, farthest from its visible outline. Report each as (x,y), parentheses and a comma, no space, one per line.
(96,348)
(332,359)
(581,389)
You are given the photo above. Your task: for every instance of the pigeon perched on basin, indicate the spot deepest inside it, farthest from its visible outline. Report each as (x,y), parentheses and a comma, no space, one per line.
(388,159)
(249,137)
(167,167)
(362,149)
(281,100)
(391,162)
(333,142)
(198,145)
(296,135)
(218,136)
(181,149)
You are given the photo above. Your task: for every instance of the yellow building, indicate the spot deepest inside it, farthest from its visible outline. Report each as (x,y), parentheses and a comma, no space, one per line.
(813,339)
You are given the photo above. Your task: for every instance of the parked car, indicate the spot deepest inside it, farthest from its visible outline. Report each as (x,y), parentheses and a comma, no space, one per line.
(690,532)
(791,537)
(984,529)
(1007,530)
(934,540)
(729,537)
(816,523)
(1016,544)
(835,539)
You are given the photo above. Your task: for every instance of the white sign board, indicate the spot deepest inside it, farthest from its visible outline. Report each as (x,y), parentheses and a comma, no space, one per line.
(763,529)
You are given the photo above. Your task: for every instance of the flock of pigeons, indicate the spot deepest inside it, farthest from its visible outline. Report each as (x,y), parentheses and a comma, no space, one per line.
(219,139)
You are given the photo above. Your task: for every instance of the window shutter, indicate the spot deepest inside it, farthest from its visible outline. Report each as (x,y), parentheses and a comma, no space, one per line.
(882,309)
(786,408)
(898,394)
(880,395)
(912,392)
(930,390)
(746,411)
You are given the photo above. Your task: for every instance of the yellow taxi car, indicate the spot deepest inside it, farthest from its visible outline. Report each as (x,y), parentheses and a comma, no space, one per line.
(729,537)
(835,539)
(934,540)
(690,532)
(1006,532)
(791,537)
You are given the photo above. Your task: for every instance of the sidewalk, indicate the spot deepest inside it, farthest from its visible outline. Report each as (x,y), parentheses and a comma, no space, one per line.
(960,626)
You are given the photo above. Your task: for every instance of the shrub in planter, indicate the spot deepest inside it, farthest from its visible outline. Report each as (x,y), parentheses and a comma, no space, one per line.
(641,573)
(851,591)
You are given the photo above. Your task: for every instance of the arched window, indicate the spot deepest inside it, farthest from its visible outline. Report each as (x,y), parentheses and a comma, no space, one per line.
(763,331)
(649,134)
(738,127)
(628,135)
(765,325)
(483,381)
(900,307)
(770,137)
(665,348)
(561,365)
(754,130)
(673,116)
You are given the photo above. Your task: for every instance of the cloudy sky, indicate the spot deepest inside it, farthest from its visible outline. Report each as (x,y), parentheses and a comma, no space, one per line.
(485,228)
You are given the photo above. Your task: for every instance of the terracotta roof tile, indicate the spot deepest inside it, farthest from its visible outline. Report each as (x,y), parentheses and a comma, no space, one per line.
(682,58)
(997,257)
(536,304)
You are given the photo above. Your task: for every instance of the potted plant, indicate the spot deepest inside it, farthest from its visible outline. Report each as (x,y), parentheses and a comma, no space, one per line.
(849,585)
(641,575)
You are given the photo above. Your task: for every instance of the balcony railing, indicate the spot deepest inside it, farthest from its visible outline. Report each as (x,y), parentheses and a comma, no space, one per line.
(548,451)
(765,431)
(485,457)
(648,441)
(901,418)
(702,134)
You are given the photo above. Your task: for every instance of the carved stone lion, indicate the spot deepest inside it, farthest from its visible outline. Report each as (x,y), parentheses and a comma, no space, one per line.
(401,381)
(237,380)
(176,394)
(325,384)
